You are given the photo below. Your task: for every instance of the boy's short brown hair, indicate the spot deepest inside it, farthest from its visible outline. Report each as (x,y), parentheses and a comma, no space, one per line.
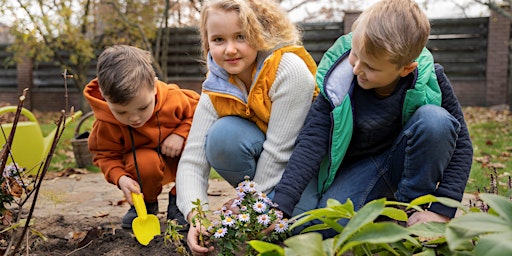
(122,71)
(395,29)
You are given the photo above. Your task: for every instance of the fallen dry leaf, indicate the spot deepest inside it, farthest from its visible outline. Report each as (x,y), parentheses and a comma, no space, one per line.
(101,214)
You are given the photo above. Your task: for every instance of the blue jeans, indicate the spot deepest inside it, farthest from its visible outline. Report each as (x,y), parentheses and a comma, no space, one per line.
(412,167)
(233,146)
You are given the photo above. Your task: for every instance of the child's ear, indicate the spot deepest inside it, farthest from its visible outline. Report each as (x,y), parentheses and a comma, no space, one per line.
(407,69)
(155,85)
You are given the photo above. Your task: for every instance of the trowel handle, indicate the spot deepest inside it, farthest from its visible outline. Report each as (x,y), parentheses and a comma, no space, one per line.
(140,206)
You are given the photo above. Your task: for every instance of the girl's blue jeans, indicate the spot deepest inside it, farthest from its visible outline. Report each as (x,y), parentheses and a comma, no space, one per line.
(233,146)
(412,167)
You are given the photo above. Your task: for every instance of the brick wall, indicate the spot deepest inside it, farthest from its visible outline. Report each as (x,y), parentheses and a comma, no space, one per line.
(497,60)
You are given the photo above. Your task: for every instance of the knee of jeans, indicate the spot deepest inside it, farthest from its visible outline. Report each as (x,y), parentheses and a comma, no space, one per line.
(235,177)
(436,120)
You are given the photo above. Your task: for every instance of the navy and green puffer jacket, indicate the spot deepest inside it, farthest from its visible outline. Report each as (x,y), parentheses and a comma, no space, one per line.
(328,127)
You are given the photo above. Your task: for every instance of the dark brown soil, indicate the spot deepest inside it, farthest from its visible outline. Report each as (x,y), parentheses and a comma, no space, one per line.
(80,215)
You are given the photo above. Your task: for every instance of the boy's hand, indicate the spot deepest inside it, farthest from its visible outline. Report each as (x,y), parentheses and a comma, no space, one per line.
(128,185)
(426,216)
(172,145)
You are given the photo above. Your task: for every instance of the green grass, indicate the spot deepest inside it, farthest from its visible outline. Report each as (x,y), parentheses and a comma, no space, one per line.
(64,157)
(491,134)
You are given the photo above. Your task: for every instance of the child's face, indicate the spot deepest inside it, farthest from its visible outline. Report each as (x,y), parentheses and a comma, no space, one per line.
(138,111)
(228,45)
(375,73)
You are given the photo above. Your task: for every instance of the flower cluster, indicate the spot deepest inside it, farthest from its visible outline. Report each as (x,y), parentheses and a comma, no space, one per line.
(12,181)
(251,216)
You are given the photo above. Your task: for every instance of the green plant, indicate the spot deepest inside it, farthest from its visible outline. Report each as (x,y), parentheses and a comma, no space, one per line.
(481,230)
(173,236)
(491,131)
(251,216)
(363,235)
(484,230)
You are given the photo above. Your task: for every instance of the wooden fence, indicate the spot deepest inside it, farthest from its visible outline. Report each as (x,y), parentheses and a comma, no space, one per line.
(462,46)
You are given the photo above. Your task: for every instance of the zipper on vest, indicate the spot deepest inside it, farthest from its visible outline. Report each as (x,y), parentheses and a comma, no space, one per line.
(247,110)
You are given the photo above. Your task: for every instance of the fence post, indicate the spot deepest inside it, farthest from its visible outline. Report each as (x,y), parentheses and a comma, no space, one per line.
(497,59)
(348,20)
(24,69)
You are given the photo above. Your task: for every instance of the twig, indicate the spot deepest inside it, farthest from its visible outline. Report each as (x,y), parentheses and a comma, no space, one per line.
(66,76)
(78,249)
(8,143)
(60,127)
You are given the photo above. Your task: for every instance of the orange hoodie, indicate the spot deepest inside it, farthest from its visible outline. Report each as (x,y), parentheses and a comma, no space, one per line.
(110,140)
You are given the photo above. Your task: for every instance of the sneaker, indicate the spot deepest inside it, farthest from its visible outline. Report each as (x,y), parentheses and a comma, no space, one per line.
(173,213)
(126,221)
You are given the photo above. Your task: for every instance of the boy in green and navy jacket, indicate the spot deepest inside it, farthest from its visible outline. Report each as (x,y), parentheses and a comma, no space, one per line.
(387,122)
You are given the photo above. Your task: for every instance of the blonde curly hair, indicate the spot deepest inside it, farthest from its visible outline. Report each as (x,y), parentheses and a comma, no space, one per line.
(265,23)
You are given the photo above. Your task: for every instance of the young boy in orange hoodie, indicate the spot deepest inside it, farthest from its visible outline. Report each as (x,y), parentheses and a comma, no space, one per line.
(140,129)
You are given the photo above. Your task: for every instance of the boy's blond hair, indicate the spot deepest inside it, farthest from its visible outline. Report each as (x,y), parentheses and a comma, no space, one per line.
(123,71)
(395,29)
(265,24)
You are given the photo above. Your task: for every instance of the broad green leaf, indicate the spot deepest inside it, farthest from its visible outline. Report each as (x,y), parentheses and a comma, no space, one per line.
(328,246)
(290,252)
(495,245)
(499,204)
(365,215)
(333,202)
(267,248)
(376,233)
(427,252)
(453,203)
(477,223)
(306,244)
(394,213)
(426,199)
(316,227)
(459,230)
(428,229)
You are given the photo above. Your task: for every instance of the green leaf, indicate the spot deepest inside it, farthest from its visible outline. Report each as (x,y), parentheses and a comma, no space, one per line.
(469,226)
(267,248)
(306,244)
(477,223)
(368,213)
(499,204)
(426,199)
(495,244)
(394,213)
(376,233)
(428,229)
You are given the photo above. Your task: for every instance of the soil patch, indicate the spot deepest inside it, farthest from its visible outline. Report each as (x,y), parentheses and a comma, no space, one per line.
(80,215)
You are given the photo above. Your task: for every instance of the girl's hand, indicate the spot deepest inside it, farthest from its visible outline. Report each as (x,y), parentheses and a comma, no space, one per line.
(193,241)
(128,185)
(172,145)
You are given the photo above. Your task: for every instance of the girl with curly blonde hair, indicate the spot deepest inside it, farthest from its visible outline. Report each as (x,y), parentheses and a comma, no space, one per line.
(257,93)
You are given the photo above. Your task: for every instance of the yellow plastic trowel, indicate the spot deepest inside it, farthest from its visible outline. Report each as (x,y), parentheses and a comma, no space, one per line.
(145,226)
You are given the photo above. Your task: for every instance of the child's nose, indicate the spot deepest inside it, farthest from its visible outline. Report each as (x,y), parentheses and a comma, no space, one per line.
(230,48)
(357,68)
